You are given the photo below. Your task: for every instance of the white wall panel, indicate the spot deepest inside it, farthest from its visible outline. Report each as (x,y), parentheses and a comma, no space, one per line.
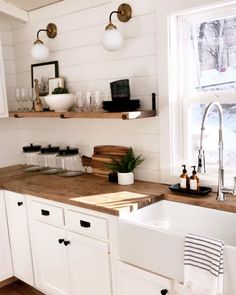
(87,66)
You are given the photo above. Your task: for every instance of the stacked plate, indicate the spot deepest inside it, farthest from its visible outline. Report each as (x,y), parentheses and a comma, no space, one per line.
(121,106)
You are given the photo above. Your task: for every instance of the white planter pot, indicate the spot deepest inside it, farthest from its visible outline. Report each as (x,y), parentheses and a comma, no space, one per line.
(125,178)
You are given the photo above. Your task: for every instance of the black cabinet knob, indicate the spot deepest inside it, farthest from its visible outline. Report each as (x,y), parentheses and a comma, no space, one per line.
(164,292)
(19,204)
(60,241)
(66,243)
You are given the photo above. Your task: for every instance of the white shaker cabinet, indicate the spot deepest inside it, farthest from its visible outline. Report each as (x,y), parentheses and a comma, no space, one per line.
(3,95)
(19,236)
(5,254)
(89,265)
(66,262)
(132,280)
(50,259)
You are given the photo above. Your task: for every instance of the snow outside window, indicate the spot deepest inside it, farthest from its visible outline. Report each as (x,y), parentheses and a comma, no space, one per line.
(207,66)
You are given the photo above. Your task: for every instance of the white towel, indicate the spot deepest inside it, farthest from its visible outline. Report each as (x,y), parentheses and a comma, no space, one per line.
(203,265)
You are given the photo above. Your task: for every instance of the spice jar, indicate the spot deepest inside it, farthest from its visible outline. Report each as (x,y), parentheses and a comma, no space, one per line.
(70,163)
(48,159)
(30,159)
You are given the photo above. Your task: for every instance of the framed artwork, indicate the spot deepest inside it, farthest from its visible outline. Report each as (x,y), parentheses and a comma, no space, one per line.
(43,72)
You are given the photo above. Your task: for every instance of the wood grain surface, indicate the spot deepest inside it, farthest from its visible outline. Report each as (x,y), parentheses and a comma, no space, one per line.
(19,288)
(86,115)
(65,190)
(102,155)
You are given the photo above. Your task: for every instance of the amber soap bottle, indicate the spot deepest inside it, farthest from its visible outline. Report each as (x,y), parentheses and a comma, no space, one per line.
(194,180)
(184,179)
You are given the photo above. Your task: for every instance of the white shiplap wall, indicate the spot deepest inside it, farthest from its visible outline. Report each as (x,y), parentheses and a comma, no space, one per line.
(87,66)
(10,131)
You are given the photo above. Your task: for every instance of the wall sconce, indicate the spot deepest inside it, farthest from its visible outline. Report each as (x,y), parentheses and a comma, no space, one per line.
(112,39)
(39,51)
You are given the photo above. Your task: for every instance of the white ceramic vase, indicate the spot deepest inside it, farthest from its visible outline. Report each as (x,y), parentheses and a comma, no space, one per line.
(125,178)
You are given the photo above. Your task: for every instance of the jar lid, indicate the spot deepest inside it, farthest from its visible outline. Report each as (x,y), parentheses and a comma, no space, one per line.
(31,148)
(68,151)
(50,149)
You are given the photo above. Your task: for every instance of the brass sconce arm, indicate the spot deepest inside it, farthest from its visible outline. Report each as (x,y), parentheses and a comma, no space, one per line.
(124,13)
(51,31)
(41,30)
(115,11)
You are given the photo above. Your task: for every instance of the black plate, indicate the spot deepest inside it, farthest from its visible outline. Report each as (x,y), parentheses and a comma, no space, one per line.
(201,192)
(121,106)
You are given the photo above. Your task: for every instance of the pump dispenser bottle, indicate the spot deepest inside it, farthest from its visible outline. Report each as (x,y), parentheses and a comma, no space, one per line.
(194,180)
(184,179)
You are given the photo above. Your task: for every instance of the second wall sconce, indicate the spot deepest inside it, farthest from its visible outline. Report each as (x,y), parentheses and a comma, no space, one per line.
(39,51)
(112,39)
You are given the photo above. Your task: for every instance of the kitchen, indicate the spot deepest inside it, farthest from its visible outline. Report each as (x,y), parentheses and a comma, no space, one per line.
(86,66)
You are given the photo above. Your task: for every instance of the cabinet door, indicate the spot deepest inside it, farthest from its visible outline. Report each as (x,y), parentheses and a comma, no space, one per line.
(50,258)
(132,280)
(5,254)
(19,236)
(3,94)
(89,265)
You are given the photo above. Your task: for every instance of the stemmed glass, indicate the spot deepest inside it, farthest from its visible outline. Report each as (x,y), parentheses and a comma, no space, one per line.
(31,98)
(23,96)
(18,98)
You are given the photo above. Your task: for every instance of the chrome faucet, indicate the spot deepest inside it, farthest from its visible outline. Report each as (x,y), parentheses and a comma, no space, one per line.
(221,191)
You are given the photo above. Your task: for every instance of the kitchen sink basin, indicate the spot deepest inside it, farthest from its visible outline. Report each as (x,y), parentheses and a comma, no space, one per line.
(153,237)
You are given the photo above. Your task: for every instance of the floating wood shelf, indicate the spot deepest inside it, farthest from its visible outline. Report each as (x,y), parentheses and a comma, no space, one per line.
(85,115)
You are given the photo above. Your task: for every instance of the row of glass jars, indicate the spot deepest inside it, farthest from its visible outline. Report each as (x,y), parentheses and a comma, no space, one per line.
(52,160)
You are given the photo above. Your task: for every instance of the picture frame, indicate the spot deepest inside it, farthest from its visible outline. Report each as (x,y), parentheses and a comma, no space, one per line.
(43,72)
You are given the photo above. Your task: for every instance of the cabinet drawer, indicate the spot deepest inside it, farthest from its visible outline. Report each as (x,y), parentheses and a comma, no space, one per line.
(86,224)
(47,213)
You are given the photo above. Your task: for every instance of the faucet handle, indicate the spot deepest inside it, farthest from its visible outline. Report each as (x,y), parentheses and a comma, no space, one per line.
(201,162)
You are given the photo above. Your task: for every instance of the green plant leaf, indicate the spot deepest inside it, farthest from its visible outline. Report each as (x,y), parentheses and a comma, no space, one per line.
(127,164)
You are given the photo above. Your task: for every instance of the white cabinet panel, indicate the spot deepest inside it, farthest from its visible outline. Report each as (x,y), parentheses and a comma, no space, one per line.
(89,265)
(19,236)
(5,254)
(132,280)
(50,259)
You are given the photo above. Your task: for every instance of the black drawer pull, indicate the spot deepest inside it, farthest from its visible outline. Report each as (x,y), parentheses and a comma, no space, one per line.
(19,204)
(45,212)
(85,223)
(60,241)
(164,292)
(66,243)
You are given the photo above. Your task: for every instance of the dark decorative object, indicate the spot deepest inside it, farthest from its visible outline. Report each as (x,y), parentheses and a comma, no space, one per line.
(122,106)
(201,192)
(120,90)
(42,72)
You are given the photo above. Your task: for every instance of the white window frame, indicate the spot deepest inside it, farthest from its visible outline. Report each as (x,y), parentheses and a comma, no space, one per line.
(171,131)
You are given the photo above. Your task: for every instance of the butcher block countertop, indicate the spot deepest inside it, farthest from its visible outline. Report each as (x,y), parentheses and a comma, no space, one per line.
(96,193)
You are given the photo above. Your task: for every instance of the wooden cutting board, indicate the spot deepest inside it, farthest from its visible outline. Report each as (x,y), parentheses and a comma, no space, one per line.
(104,154)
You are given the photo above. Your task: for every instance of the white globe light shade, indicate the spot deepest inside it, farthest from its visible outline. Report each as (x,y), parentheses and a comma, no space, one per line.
(39,52)
(112,40)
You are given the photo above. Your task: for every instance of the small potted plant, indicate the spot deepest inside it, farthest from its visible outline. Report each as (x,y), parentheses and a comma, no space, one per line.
(60,100)
(125,167)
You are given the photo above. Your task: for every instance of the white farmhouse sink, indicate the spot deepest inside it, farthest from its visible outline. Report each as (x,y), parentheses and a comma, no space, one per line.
(153,237)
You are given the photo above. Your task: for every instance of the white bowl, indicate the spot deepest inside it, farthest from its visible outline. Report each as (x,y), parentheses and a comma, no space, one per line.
(60,102)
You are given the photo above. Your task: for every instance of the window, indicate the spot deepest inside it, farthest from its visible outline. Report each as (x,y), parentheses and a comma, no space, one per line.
(204,64)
